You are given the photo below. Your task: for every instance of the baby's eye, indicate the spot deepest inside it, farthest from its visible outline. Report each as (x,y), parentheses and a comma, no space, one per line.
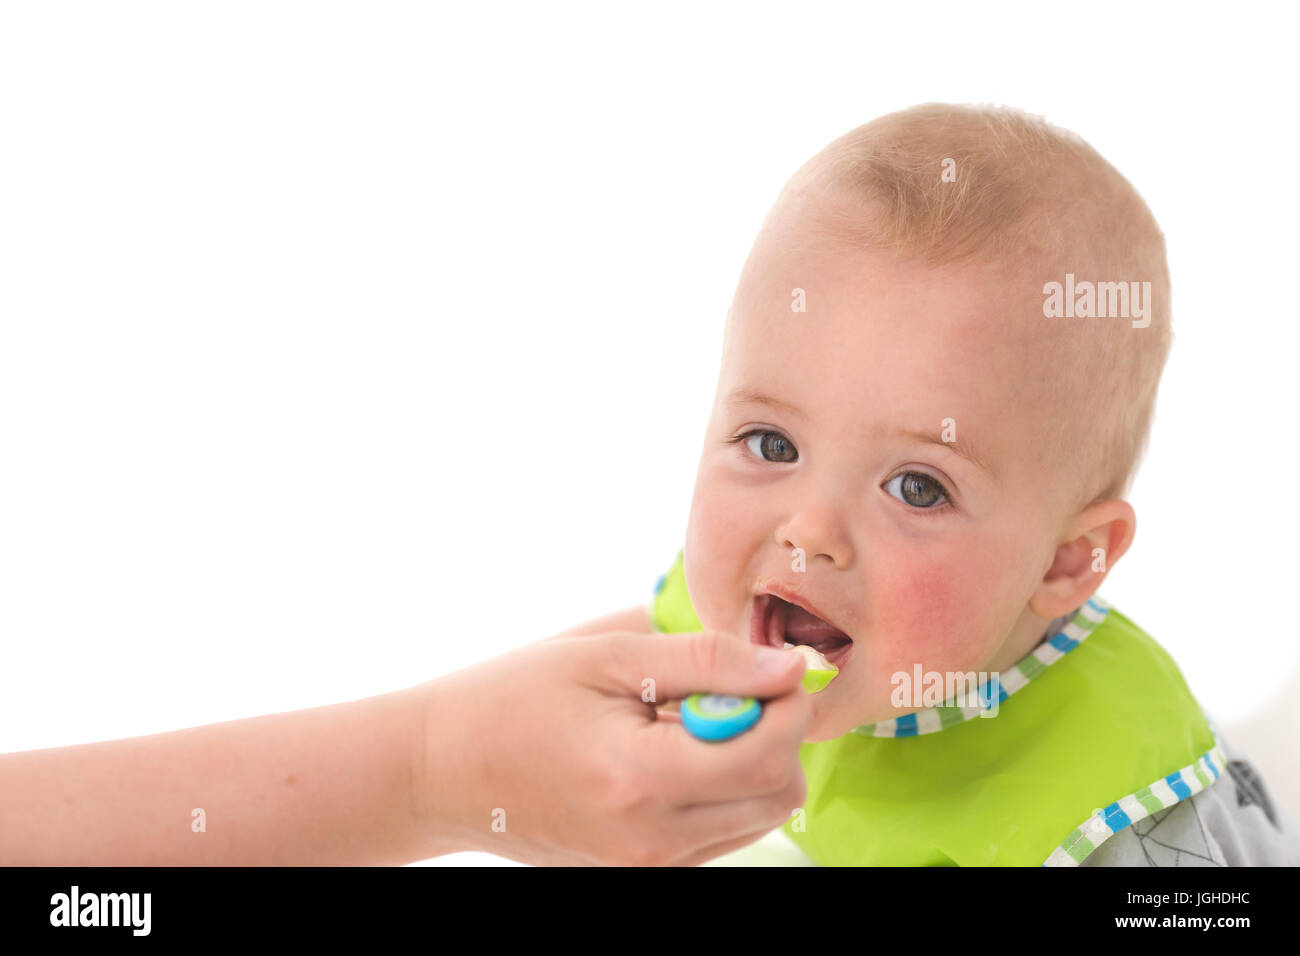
(916,489)
(771,446)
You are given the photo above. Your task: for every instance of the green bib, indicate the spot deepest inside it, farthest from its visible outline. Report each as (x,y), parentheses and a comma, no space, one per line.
(1094,729)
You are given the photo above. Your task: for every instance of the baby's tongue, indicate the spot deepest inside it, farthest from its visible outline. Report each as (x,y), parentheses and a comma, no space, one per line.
(804,628)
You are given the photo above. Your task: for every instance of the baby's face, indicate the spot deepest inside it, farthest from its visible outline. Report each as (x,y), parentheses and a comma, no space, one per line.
(828,435)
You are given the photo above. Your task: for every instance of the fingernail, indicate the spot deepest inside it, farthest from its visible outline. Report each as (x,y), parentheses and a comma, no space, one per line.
(775,662)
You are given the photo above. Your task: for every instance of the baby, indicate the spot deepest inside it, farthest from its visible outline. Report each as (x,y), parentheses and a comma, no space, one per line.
(937,381)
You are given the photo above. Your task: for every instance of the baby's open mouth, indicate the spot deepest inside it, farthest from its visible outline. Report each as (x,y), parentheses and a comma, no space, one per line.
(777,622)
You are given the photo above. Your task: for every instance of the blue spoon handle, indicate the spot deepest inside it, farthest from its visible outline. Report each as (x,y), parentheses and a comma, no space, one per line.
(717,717)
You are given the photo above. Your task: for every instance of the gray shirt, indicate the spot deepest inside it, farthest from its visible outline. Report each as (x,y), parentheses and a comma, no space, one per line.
(1233,822)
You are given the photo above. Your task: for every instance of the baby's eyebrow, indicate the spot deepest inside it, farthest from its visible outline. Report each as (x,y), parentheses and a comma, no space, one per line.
(962,449)
(742,396)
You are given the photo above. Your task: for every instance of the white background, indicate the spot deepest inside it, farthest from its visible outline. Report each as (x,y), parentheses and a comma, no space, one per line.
(343,345)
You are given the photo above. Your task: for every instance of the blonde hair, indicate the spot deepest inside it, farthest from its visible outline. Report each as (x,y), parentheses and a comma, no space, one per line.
(1038,200)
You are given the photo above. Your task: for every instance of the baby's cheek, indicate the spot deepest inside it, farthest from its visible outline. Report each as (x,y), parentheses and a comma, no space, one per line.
(932,611)
(706,573)
(714,555)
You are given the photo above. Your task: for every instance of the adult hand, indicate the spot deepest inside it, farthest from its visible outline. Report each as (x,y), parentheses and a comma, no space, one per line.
(553,754)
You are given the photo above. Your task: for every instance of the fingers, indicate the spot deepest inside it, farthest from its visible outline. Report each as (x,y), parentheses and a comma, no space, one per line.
(761,761)
(674,666)
(721,849)
(737,823)
(667,796)
(696,834)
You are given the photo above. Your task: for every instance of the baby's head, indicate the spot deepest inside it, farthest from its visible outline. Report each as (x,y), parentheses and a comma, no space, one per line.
(914,434)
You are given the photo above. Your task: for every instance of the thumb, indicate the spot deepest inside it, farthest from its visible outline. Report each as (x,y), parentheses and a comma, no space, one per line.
(685,664)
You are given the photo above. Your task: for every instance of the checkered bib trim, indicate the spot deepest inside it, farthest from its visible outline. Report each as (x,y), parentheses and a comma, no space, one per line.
(1047,653)
(1155,796)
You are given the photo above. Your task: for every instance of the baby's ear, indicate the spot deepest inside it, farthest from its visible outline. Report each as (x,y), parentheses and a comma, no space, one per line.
(1095,541)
